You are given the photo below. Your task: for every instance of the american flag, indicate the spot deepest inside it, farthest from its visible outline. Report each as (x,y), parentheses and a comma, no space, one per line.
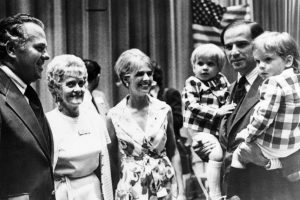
(209,19)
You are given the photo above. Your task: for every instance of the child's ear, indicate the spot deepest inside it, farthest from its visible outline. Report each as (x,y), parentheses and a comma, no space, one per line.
(193,67)
(289,60)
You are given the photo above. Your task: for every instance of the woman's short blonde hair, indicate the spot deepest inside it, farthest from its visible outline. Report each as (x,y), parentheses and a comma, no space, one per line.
(60,68)
(131,60)
(209,51)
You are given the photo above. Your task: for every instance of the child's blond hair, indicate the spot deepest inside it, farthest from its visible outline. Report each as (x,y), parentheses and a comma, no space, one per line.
(210,51)
(282,44)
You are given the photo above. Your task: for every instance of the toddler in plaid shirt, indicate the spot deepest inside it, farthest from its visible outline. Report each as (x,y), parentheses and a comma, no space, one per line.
(275,124)
(204,99)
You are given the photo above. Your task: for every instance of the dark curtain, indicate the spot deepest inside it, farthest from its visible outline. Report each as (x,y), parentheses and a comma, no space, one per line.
(102,29)
(161,29)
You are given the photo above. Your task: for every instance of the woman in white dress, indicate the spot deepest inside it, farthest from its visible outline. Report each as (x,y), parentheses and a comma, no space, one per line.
(141,128)
(78,134)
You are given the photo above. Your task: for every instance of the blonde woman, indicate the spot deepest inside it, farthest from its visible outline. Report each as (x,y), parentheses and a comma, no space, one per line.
(141,127)
(78,134)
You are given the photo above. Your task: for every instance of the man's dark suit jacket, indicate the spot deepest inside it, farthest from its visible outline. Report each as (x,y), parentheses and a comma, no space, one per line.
(25,154)
(260,183)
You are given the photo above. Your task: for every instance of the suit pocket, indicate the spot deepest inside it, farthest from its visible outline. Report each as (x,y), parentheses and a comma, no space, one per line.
(16,197)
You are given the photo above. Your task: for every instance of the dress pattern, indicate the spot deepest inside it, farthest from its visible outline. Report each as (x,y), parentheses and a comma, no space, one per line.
(146,171)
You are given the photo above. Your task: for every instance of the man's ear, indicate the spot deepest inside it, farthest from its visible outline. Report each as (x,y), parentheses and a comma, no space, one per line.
(11,49)
(289,60)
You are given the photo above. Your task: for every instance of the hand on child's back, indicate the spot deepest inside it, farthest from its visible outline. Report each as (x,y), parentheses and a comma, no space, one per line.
(226,109)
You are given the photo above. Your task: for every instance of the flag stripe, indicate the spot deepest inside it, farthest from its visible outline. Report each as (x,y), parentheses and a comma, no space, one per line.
(204,37)
(206,29)
(209,19)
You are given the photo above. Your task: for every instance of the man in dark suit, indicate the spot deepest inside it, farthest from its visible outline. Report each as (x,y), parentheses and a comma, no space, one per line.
(259,181)
(26,144)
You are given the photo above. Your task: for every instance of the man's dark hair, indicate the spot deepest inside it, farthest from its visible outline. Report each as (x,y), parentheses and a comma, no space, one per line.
(11,30)
(93,69)
(255,28)
(157,74)
(158,78)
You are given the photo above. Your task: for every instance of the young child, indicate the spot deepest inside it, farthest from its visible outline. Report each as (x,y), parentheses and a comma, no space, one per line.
(204,98)
(275,124)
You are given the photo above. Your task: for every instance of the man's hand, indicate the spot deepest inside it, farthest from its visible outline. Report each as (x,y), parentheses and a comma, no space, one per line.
(203,149)
(226,109)
(294,177)
(242,135)
(250,152)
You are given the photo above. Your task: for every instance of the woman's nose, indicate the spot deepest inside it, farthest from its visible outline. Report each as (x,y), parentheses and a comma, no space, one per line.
(146,77)
(77,87)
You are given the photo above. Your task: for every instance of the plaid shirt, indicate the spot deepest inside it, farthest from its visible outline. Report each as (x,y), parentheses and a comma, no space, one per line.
(275,122)
(201,102)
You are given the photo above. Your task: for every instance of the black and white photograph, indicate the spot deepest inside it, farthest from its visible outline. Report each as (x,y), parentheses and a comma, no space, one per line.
(149,99)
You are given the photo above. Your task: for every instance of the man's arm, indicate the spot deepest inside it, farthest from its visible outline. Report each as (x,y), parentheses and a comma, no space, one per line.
(173,99)
(291,166)
(223,133)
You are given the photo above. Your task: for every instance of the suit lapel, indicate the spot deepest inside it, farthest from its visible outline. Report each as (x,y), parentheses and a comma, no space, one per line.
(18,103)
(231,89)
(251,98)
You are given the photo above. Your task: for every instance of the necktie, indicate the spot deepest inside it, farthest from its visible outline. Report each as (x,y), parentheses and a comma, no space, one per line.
(34,103)
(37,108)
(240,90)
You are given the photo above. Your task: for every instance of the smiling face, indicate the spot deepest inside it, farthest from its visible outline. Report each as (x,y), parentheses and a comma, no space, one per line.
(140,81)
(268,63)
(30,56)
(205,68)
(71,94)
(238,48)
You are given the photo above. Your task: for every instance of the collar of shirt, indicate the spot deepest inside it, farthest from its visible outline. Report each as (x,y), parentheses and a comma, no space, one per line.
(16,80)
(87,101)
(87,95)
(250,78)
(288,71)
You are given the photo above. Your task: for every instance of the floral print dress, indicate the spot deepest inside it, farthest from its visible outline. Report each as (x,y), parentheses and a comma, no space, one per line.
(146,171)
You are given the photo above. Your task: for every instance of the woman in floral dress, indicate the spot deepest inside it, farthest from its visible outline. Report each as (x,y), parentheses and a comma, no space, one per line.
(141,127)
